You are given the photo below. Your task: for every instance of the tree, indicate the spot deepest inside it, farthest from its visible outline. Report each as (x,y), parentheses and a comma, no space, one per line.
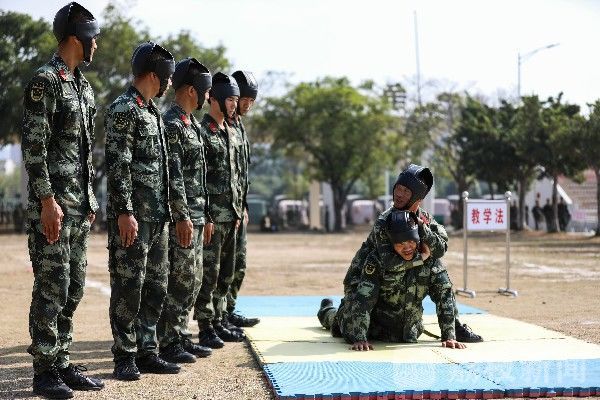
(25,44)
(563,123)
(342,131)
(588,147)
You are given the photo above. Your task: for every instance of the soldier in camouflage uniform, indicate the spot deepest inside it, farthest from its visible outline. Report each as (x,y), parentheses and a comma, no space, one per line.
(191,81)
(248,92)
(57,140)
(138,214)
(410,189)
(383,295)
(225,197)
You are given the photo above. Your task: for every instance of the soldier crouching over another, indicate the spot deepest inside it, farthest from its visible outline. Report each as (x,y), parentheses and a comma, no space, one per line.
(383,295)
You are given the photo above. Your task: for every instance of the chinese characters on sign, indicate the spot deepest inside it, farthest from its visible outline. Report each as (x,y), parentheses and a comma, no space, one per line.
(486,215)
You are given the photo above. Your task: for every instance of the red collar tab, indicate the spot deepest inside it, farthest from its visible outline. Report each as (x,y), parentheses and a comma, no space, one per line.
(213,127)
(185,120)
(424,219)
(63,74)
(139,101)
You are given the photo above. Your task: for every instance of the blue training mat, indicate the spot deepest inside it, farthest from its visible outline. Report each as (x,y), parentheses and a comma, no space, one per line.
(383,380)
(307,306)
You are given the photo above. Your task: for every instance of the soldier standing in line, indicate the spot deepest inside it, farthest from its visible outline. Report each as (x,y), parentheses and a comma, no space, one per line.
(138,214)
(191,81)
(225,199)
(248,92)
(57,140)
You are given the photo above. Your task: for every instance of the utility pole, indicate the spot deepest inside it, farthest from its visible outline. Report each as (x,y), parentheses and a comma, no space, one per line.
(418,61)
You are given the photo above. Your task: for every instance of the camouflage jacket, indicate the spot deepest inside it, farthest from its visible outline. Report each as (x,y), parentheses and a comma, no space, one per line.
(57,139)
(244,157)
(384,293)
(136,159)
(222,175)
(430,232)
(187,166)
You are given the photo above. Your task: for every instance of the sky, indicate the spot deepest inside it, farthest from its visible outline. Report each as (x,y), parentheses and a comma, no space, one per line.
(463,44)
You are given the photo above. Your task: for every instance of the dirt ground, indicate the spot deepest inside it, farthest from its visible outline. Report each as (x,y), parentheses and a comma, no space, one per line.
(557,277)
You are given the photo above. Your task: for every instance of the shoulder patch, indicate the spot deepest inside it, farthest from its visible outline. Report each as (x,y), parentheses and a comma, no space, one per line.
(369,269)
(36,92)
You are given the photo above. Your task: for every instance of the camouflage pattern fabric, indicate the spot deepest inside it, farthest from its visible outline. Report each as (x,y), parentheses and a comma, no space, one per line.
(222,175)
(57,139)
(188,202)
(187,166)
(136,159)
(239,270)
(138,283)
(185,278)
(244,183)
(383,294)
(218,267)
(430,231)
(138,184)
(59,277)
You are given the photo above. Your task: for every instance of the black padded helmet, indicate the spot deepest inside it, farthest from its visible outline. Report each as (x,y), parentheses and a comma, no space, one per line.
(418,179)
(247,84)
(223,86)
(190,71)
(85,29)
(151,57)
(402,227)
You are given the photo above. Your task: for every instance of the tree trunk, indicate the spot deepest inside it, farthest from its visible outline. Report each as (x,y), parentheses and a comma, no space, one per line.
(597,171)
(554,222)
(339,198)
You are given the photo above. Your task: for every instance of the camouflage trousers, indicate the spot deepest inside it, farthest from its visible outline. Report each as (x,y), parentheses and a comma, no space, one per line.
(59,278)
(342,323)
(240,268)
(218,268)
(185,278)
(138,283)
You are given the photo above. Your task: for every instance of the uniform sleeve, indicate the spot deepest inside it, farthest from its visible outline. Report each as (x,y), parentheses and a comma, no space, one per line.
(179,206)
(207,215)
(434,235)
(119,127)
(39,106)
(361,300)
(440,291)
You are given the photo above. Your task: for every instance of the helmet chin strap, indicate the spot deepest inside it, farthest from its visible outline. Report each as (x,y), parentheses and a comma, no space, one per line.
(163,87)
(223,108)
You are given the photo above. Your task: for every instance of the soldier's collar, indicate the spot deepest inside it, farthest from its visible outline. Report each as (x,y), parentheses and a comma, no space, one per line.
(61,68)
(139,99)
(213,126)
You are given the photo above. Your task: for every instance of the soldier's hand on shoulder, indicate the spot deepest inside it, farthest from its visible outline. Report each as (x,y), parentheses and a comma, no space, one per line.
(361,346)
(453,344)
(128,229)
(425,251)
(51,219)
(184,231)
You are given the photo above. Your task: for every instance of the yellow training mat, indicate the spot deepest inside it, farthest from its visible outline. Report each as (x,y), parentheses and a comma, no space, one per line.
(298,339)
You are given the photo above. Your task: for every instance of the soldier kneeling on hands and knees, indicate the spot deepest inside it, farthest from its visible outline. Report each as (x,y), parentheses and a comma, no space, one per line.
(383,296)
